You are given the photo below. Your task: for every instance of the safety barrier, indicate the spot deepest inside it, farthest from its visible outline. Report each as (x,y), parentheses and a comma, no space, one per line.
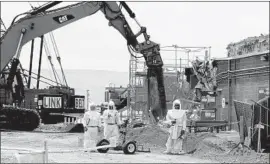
(41,156)
(28,155)
(72,120)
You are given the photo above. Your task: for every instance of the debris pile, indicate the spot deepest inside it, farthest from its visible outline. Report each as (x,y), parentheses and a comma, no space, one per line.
(156,137)
(223,150)
(60,128)
(150,136)
(249,45)
(192,141)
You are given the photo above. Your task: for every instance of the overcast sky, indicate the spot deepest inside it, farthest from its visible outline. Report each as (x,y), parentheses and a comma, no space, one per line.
(91,44)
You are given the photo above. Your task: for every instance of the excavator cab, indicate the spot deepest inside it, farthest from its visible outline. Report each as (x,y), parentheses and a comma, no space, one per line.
(59,101)
(117,95)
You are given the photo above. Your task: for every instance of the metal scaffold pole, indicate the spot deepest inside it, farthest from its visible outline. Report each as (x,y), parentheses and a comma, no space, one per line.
(87,99)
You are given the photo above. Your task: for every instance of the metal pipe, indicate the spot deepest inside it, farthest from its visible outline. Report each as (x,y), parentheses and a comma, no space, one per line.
(17,54)
(130,12)
(209,53)
(128,104)
(253,73)
(260,105)
(44,8)
(248,69)
(40,59)
(87,99)
(31,63)
(259,132)
(236,76)
(175,57)
(42,77)
(188,58)
(229,96)
(148,94)
(226,72)
(192,47)
(39,80)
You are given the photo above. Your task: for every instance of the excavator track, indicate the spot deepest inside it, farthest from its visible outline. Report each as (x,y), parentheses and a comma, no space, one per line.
(15,118)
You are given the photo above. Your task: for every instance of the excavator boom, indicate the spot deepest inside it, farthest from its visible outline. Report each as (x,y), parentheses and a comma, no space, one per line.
(40,21)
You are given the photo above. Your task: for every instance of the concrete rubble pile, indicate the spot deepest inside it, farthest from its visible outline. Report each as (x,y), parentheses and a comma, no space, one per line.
(249,45)
(203,145)
(221,150)
(205,72)
(150,136)
(60,127)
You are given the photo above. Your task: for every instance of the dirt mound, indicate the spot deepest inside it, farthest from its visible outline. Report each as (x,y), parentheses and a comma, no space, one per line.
(156,137)
(59,128)
(222,150)
(193,140)
(150,136)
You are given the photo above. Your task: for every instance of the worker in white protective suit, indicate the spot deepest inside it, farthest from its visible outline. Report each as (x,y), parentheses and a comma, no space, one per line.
(195,116)
(177,118)
(111,124)
(92,124)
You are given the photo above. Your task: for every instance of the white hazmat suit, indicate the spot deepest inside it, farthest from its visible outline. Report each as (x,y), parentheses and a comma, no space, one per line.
(92,124)
(111,121)
(177,119)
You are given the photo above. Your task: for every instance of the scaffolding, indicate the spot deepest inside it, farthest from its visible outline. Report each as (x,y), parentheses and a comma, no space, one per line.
(2,27)
(175,59)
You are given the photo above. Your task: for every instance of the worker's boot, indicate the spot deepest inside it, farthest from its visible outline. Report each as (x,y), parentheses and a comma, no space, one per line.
(180,152)
(167,152)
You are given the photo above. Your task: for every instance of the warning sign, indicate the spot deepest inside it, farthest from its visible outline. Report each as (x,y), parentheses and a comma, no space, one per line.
(223,103)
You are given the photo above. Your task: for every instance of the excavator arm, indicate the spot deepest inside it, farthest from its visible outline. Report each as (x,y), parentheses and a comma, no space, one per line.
(39,22)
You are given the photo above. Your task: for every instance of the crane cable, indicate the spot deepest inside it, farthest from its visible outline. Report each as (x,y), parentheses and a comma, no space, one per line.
(56,51)
(2,31)
(2,23)
(48,55)
(58,56)
(47,51)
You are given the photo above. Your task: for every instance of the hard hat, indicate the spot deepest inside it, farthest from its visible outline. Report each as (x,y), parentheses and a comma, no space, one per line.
(177,103)
(111,105)
(92,106)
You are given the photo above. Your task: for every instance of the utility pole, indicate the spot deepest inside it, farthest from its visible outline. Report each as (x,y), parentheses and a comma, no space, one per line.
(129,114)
(40,59)
(175,55)
(87,99)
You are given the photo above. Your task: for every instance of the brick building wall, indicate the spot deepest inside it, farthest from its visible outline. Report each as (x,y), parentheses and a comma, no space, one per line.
(171,85)
(243,87)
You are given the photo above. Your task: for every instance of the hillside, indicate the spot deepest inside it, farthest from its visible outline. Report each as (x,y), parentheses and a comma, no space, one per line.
(93,80)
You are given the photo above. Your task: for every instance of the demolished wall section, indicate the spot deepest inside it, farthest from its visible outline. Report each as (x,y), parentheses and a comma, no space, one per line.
(249,45)
(249,73)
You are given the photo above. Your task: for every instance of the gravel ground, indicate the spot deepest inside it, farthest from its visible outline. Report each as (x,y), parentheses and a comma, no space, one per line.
(222,148)
(208,147)
(204,145)
(65,141)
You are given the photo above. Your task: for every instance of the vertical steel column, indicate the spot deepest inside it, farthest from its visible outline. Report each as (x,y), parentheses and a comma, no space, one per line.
(148,93)
(87,99)
(209,53)
(31,62)
(40,59)
(229,96)
(175,57)
(128,104)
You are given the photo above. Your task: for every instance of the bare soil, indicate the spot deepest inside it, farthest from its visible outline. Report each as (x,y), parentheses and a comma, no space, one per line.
(203,147)
(65,141)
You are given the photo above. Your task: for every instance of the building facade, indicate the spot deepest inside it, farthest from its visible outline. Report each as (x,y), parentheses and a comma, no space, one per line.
(242,78)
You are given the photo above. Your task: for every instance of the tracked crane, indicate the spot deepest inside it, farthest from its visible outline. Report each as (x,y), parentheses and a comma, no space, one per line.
(40,21)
